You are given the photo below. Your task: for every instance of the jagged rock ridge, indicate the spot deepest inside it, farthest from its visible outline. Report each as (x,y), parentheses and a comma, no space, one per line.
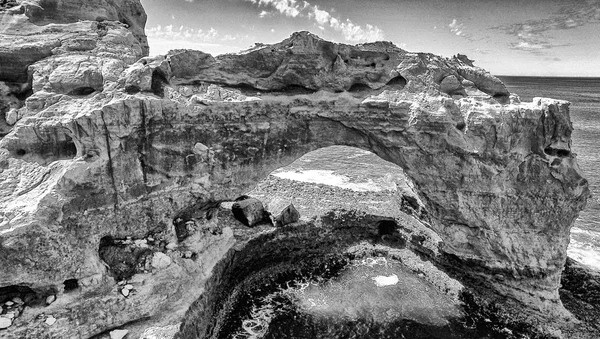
(107,146)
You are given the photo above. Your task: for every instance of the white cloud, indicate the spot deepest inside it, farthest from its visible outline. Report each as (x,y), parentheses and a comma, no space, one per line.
(265,14)
(290,8)
(456,27)
(182,33)
(532,35)
(349,30)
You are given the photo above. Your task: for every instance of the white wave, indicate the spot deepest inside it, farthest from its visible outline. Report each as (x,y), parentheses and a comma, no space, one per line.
(382,280)
(584,253)
(327,177)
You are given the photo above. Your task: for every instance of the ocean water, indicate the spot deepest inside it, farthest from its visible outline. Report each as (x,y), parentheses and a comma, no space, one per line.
(584,95)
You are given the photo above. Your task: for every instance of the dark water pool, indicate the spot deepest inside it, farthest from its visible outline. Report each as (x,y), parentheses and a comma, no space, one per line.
(371,297)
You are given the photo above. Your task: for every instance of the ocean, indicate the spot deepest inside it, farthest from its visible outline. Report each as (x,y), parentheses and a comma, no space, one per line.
(584,95)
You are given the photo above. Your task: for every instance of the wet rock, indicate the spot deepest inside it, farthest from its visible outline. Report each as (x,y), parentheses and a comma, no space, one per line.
(249,211)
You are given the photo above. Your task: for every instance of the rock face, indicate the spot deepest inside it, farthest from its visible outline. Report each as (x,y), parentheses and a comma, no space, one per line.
(108,148)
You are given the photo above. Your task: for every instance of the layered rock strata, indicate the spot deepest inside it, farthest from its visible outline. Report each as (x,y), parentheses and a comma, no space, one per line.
(105,150)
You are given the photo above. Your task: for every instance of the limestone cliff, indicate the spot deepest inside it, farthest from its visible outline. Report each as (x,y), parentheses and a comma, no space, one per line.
(106,150)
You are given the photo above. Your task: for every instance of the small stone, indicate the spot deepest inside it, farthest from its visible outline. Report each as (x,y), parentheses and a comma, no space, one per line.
(50,320)
(188,254)
(122,282)
(50,299)
(128,286)
(160,260)
(18,301)
(150,239)
(171,246)
(5,322)
(12,116)
(141,243)
(9,303)
(125,292)
(118,334)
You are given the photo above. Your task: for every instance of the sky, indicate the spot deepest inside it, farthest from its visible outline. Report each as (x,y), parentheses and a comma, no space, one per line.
(508,37)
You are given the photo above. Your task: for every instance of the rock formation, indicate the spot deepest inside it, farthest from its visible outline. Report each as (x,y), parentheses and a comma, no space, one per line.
(104,147)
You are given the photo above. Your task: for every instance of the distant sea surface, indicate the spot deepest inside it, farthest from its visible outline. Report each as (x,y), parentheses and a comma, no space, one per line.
(584,95)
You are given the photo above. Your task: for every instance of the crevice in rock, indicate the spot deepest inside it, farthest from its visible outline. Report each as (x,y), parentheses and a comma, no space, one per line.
(68,149)
(82,91)
(359,87)
(159,80)
(294,90)
(398,82)
(29,296)
(386,227)
(557,152)
(123,257)
(141,149)
(502,98)
(71,285)
(110,163)
(189,220)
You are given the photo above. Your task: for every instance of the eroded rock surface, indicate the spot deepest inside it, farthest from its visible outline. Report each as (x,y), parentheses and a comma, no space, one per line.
(106,146)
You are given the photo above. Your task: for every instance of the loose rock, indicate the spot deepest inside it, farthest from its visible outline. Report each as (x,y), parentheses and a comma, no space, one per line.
(160,260)
(249,211)
(50,321)
(282,212)
(118,334)
(5,322)
(50,299)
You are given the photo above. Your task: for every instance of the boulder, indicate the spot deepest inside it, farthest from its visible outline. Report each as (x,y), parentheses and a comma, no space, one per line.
(5,322)
(282,212)
(249,211)
(451,85)
(160,261)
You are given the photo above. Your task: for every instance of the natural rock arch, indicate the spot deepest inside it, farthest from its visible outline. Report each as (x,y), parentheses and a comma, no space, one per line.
(162,134)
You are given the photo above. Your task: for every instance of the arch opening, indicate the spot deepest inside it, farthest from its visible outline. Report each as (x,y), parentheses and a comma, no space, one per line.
(349,200)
